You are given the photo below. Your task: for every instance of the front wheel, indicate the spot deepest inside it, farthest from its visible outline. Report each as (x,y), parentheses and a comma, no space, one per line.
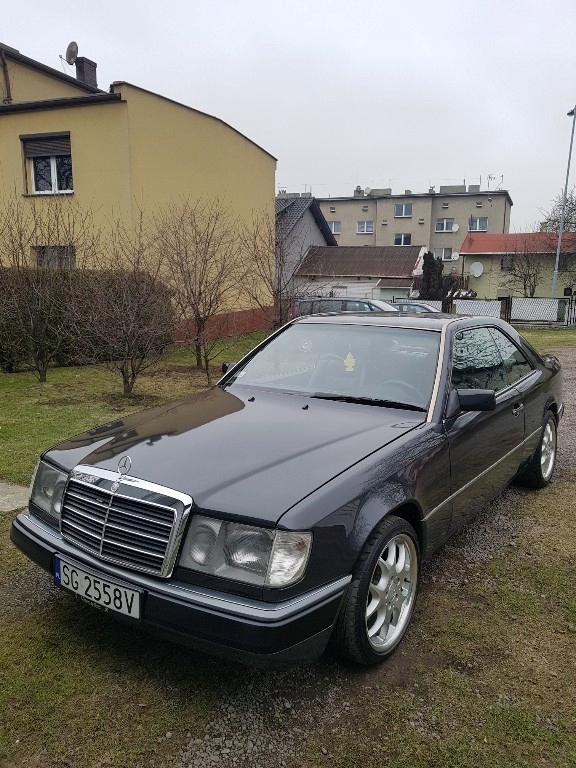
(381,596)
(539,471)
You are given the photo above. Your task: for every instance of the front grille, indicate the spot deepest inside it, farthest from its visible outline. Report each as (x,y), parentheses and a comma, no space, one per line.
(130,531)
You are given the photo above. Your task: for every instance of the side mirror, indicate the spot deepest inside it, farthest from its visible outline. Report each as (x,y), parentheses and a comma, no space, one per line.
(470,400)
(227,365)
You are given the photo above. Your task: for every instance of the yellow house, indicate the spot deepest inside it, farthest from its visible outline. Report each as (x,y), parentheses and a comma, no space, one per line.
(517,264)
(119,151)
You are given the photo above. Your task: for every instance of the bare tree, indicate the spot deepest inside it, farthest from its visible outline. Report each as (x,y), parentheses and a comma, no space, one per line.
(551,224)
(199,243)
(552,216)
(132,318)
(272,253)
(42,242)
(523,269)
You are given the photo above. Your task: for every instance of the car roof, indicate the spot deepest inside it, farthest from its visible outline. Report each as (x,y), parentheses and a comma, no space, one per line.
(428,321)
(340,298)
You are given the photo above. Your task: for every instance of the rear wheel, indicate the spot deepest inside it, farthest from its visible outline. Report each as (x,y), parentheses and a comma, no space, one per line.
(381,595)
(538,473)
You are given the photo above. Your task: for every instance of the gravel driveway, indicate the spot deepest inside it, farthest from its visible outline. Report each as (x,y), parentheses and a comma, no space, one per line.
(265,721)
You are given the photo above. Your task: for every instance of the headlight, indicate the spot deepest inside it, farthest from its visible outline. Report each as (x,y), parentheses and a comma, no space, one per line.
(258,556)
(47,489)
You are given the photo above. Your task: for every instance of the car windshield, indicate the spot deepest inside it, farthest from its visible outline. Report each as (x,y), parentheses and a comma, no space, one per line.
(377,365)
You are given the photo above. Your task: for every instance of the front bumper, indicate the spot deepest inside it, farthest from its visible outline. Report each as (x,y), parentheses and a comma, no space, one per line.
(252,631)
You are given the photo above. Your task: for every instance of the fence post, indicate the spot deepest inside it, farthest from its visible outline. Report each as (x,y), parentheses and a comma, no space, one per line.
(506,308)
(448,305)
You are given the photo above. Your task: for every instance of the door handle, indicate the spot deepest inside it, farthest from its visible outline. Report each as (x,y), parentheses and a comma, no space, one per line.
(517,408)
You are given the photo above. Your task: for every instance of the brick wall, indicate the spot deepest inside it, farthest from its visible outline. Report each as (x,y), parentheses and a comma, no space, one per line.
(232,324)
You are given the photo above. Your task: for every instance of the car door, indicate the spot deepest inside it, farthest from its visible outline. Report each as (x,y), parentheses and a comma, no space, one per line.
(485,447)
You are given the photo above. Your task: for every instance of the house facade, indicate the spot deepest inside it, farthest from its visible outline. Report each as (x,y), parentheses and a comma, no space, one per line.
(518,264)
(376,272)
(438,219)
(300,224)
(121,151)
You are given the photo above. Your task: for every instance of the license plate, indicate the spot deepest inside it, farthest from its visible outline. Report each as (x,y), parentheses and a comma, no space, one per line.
(102,592)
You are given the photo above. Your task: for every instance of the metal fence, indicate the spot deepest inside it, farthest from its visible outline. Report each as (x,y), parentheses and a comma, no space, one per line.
(515,309)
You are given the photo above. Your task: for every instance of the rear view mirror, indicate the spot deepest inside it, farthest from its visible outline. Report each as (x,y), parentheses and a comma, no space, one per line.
(470,400)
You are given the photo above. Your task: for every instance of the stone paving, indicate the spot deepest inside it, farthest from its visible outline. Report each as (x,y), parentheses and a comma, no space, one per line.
(12,497)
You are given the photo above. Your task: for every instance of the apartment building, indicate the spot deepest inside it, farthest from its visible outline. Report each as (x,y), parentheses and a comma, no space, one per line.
(439,220)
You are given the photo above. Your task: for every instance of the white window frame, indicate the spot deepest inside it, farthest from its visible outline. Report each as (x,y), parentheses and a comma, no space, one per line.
(53,177)
(444,225)
(403,236)
(365,227)
(474,224)
(402,210)
(335,227)
(445,254)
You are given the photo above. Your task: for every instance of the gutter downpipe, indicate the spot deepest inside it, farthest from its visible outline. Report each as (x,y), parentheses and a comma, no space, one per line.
(571,114)
(8,98)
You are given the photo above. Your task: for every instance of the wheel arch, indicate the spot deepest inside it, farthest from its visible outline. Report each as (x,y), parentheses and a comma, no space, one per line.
(372,515)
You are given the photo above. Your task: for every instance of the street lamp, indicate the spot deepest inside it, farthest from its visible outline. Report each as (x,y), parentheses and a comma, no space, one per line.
(571,114)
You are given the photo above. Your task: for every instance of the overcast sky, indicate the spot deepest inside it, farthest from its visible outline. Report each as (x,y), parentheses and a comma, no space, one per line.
(375,93)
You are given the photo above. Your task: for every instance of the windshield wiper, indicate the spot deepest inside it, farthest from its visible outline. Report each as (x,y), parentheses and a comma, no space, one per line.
(368,401)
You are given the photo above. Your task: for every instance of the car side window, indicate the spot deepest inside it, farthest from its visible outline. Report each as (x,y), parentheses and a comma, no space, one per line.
(515,363)
(328,305)
(477,363)
(356,306)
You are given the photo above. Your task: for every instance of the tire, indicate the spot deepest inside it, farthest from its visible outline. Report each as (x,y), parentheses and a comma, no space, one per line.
(541,467)
(381,596)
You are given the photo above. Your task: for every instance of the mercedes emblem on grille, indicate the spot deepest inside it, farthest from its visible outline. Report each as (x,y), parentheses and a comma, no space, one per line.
(124,466)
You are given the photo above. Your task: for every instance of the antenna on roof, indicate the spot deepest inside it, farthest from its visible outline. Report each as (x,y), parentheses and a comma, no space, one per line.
(71,53)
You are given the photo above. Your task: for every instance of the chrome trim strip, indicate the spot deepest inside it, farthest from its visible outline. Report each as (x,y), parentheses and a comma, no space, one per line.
(439,366)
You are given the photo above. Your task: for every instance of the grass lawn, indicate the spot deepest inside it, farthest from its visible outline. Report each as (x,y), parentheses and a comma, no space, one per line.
(34,416)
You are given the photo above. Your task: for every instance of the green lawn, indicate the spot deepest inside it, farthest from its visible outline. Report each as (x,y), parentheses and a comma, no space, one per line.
(34,416)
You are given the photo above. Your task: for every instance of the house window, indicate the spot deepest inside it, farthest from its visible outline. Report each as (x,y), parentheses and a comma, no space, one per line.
(507,263)
(335,227)
(478,224)
(365,227)
(403,238)
(55,256)
(445,254)
(402,210)
(49,163)
(444,225)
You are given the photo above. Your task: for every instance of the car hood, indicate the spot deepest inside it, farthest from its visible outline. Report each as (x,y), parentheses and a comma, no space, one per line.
(253,453)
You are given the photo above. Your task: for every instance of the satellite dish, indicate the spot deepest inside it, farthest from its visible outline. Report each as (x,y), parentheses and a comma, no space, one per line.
(455,227)
(476,269)
(367,191)
(455,256)
(71,52)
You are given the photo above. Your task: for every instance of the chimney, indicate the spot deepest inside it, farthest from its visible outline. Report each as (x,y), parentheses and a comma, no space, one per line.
(86,71)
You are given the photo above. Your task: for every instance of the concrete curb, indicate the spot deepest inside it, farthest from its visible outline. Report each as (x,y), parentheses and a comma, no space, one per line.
(12,497)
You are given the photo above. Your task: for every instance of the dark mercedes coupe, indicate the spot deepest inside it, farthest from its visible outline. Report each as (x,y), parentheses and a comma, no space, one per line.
(292,503)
